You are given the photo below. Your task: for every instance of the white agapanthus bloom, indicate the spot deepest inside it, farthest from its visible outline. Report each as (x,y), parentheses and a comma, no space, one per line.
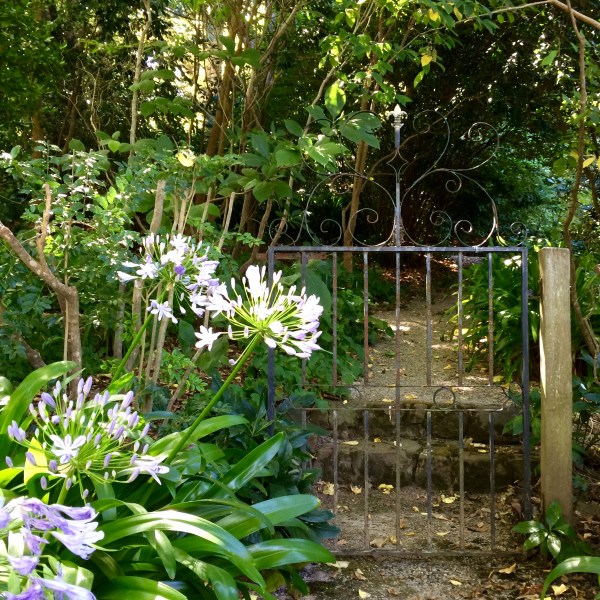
(287,320)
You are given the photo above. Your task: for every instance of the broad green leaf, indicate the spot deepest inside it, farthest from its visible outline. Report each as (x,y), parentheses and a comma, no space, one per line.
(161,543)
(197,211)
(576,564)
(249,56)
(275,510)
(260,143)
(242,472)
(294,127)
(287,158)
(535,539)
(138,588)
(163,445)
(215,538)
(21,398)
(554,544)
(107,564)
(263,190)
(186,334)
(222,582)
(549,58)
(228,42)
(360,126)
(276,553)
(335,99)
(317,113)
(76,145)
(146,86)
(148,108)
(528,527)
(553,514)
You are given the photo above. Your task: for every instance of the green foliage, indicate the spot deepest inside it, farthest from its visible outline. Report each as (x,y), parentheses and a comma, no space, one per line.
(554,536)
(506,298)
(574,564)
(188,534)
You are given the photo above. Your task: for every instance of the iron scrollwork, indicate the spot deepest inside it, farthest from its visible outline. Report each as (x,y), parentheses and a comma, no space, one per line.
(425,185)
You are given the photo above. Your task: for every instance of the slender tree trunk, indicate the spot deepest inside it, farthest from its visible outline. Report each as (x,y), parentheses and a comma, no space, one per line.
(68,296)
(583,324)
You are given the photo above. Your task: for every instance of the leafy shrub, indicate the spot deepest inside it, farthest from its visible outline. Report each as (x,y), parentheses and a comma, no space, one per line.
(554,536)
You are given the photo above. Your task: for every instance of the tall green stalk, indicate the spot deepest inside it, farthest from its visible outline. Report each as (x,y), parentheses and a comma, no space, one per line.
(189,432)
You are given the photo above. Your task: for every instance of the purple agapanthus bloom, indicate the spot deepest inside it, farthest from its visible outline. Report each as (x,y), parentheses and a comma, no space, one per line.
(24,565)
(66,591)
(33,592)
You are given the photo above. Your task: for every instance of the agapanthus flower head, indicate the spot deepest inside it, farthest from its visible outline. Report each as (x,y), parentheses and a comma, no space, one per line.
(282,319)
(176,261)
(89,438)
(31,526)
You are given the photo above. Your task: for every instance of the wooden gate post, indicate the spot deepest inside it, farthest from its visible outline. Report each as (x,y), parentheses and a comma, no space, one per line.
(556,380)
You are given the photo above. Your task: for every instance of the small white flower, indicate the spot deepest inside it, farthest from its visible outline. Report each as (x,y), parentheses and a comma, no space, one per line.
(162,310)
(67,448)
(206,337)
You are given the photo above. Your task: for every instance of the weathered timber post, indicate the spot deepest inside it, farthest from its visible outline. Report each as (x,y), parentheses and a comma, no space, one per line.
(556,380)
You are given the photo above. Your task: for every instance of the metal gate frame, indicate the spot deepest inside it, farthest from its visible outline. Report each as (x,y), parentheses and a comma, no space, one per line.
(396,245)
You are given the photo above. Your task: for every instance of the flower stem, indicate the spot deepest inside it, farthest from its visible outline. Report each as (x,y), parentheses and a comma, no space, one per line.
(189,432)
(136,340)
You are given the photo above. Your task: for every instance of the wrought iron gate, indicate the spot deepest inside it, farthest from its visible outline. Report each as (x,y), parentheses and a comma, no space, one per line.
(401,450)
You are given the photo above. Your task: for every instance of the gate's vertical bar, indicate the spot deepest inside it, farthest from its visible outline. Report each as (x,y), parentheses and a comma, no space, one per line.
(461,478)
(460,318)
(492,485)
(366,314)
(398,361)
(335,472)
(270,351)
(527,508)
(303,279)
(429,482)
(398,476)
(334,301)
(367,545)
(428,304)
(490,320)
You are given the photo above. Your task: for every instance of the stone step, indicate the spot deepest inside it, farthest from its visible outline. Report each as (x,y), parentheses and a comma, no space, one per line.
(410,458)
(413,422)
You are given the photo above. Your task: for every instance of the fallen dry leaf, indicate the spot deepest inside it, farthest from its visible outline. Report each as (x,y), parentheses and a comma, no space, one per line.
(439,516)
(442,533)
(385,486)
(379,542)
(455,582)
(559,590)
(393,592)
(355,489)
(362,594)
(447,367)
(449,499)
(416,509)
(358,574)
(377,441)
(351,443)
(508,570)
(328,488)
(339,564)
(410,396)
(402,523)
